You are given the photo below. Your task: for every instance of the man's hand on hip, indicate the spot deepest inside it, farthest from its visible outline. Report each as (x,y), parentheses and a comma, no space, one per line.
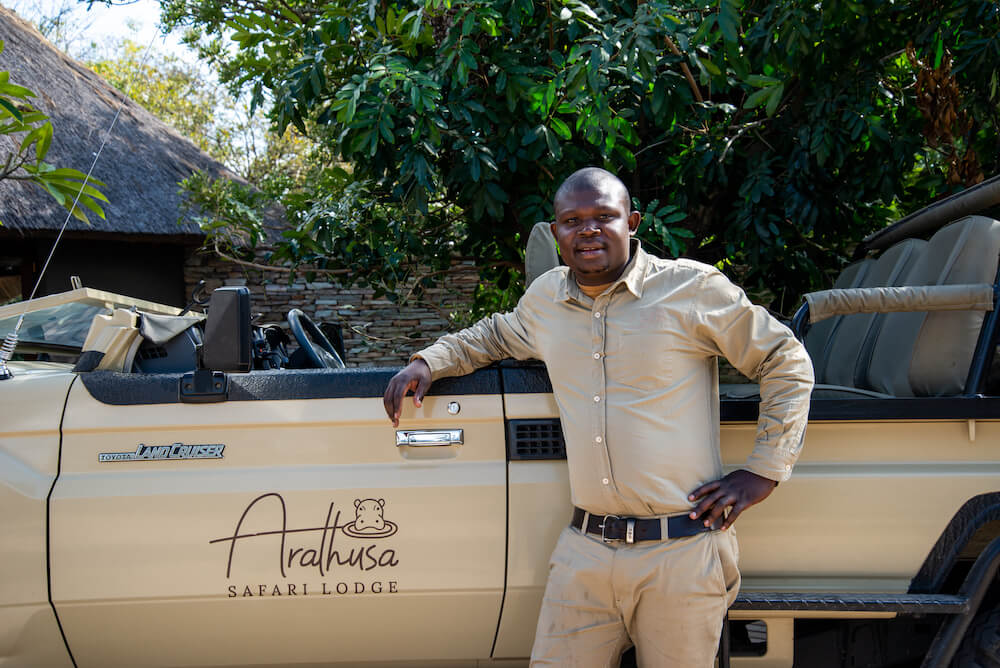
(738,491)
(416,377)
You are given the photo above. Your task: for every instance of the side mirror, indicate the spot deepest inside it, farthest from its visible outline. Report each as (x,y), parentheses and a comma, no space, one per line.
(228,339)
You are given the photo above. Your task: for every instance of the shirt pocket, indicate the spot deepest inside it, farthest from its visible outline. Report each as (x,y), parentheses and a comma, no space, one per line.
(646,360)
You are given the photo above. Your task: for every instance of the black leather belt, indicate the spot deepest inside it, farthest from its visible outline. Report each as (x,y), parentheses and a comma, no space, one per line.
(634,529)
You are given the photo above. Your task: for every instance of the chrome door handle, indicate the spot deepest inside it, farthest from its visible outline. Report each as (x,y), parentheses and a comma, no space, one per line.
(429,437)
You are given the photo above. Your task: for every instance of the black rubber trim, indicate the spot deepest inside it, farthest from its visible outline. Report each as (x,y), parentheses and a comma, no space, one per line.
(48,527)
(939,563)
(938,604)
(88,361)
(525,377)
(127,389)
(975,587)
(532,378)
(131,389)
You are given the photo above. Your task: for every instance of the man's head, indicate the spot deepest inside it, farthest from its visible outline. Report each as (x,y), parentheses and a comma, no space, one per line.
(594,223)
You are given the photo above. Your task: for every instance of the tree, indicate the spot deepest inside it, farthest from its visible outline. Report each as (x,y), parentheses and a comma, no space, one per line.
(29,132)
(60,21)
(764,136)
(183,95)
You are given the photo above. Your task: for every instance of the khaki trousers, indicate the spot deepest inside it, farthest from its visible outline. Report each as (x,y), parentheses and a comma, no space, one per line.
(668,598)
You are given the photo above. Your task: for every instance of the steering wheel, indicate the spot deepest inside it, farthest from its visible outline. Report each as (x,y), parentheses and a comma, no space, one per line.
(313,342)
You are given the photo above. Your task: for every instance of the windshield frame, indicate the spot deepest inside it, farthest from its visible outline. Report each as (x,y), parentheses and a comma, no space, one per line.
(75,308)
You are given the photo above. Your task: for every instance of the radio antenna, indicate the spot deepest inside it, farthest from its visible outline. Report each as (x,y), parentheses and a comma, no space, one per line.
(10,341)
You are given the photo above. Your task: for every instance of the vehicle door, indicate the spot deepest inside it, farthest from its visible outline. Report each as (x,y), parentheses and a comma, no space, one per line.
(281,526)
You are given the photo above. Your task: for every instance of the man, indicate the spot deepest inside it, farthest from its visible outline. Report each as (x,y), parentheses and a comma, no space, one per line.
(630,343)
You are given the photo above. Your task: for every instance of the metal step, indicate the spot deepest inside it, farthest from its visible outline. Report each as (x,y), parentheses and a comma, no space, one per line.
(935,604)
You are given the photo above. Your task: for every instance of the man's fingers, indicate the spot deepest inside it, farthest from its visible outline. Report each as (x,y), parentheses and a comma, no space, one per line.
(419,387)
(390,401)
(393,399)
(719,509)
(734,512)
(703,490)
(708,503)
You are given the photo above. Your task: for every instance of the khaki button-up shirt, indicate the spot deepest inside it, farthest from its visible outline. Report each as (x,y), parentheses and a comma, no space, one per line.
(635,376)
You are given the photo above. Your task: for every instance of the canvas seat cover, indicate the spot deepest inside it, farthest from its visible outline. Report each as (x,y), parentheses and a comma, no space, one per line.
(850,348)
(540,254)
(817,339)
(929,354)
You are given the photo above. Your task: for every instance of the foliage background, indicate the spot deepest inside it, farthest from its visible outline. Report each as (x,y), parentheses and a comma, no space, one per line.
(766,137)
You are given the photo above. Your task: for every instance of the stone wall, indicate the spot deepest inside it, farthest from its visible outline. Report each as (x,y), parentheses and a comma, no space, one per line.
(377,332)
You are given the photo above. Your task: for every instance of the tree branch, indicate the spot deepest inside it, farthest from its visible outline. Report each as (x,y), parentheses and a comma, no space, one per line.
(684,68)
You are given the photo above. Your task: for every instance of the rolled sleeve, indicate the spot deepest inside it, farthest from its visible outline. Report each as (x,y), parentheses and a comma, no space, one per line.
(493,338)
(764,350)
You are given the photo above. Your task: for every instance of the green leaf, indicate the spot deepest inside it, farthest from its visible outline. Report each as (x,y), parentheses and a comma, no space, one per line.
(15,91)
(659,96)
(29,139)
(44,140)
(468,60)
(560,128)
(710,66)
(774,99)
(758,98)
(762,81)
(706,26)
(729,20)
(11,109)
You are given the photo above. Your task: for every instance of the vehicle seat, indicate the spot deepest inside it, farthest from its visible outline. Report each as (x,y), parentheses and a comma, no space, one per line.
(905,354)
(540,254)
(849,349)
(929,354)
(817,339)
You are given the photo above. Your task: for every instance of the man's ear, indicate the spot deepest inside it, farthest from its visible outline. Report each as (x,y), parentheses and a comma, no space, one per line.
(633,222)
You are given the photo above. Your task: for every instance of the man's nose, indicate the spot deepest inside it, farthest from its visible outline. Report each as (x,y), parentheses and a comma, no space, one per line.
(590,226)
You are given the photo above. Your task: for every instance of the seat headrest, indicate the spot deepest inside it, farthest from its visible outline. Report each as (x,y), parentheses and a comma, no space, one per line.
(540,255)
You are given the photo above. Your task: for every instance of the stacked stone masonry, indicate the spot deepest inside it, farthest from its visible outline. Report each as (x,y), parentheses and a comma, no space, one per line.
(377,332)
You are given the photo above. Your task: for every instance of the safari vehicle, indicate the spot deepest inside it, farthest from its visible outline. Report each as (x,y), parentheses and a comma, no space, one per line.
(208,505)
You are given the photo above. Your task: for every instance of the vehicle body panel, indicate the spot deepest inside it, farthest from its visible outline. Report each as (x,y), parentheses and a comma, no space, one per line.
(29,460)
(146,549)
(140,550)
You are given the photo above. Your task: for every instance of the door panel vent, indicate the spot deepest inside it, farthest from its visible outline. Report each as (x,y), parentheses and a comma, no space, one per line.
(536,439)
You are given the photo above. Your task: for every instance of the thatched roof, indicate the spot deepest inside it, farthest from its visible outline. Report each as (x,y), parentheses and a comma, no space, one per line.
(141,164)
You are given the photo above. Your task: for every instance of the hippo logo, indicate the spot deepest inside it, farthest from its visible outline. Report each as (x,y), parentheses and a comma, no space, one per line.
(369,520)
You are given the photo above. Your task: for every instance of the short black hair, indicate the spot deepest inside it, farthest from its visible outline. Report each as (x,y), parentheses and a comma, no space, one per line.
(591,178)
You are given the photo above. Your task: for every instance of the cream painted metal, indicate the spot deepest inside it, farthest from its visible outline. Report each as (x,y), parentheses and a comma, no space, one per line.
(29,454)
(140,550)
(86,296)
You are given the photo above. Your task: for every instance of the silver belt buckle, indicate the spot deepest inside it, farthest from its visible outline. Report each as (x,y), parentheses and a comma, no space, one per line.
(603,524)
(630,530)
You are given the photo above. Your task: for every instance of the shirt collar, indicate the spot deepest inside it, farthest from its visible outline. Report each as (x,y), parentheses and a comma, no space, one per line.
(633,277)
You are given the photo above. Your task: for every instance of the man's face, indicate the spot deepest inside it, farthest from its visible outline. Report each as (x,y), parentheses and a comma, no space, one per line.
(593,228)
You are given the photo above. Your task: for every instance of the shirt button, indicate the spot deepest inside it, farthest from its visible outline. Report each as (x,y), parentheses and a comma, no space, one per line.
(597,399)
(597,356)
(597,314)
(788,467)
(599,439)
(605,481)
